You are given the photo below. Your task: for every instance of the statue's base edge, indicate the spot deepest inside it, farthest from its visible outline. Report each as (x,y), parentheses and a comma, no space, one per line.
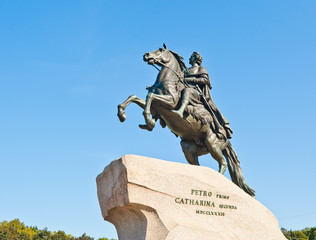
(151,199)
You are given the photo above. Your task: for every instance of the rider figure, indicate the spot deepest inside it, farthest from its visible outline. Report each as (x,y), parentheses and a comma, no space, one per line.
(197,91)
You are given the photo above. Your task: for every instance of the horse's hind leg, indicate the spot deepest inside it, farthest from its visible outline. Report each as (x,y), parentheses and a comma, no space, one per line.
(213,145)
(190,150)
(131,99)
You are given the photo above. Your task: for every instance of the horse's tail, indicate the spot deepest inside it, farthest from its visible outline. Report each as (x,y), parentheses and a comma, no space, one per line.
(235,170)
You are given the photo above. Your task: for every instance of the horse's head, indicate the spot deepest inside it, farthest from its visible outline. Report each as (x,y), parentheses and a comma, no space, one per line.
(162,55)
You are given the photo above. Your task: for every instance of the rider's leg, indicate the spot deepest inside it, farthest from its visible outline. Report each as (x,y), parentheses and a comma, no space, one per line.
(184,102)
(213,146)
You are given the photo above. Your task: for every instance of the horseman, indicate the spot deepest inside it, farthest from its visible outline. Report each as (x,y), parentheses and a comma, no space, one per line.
(203,129)
(197,95)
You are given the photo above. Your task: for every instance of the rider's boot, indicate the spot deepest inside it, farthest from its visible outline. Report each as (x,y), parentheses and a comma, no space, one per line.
(184,104)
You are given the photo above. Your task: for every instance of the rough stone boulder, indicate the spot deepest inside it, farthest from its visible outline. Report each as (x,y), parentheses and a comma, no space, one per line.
(152,199)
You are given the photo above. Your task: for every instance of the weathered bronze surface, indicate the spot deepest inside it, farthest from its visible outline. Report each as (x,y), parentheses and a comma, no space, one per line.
(180,98)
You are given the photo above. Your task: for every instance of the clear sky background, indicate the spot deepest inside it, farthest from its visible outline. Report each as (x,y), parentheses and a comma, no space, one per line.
(66,65)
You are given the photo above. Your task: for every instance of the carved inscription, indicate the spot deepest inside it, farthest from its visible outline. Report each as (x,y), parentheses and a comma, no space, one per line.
(206,199)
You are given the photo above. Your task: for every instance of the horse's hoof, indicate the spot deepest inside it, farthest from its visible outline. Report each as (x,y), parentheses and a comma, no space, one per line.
(151,123)
(122,117)
(121,114)
(145,127)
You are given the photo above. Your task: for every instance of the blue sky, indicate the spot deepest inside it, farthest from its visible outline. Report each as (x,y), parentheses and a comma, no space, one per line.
(66,65)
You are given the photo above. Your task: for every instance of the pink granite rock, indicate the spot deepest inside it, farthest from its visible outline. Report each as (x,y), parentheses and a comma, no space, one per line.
(147,198)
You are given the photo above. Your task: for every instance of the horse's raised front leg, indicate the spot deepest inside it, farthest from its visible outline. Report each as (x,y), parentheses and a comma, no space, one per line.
(166,100)
(131,99)
(150,122)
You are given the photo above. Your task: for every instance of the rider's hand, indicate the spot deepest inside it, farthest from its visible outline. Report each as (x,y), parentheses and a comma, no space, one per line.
(189,80)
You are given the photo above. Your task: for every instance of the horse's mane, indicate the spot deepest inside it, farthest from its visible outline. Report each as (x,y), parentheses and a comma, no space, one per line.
(179,59)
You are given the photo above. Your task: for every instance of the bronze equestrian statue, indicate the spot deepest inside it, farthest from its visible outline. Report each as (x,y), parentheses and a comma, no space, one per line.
(180,98)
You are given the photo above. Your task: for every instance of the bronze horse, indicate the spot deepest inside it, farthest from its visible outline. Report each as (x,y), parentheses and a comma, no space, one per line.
(197,138)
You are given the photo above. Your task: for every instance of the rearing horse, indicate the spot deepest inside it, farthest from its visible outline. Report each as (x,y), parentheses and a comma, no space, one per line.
(197,139)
